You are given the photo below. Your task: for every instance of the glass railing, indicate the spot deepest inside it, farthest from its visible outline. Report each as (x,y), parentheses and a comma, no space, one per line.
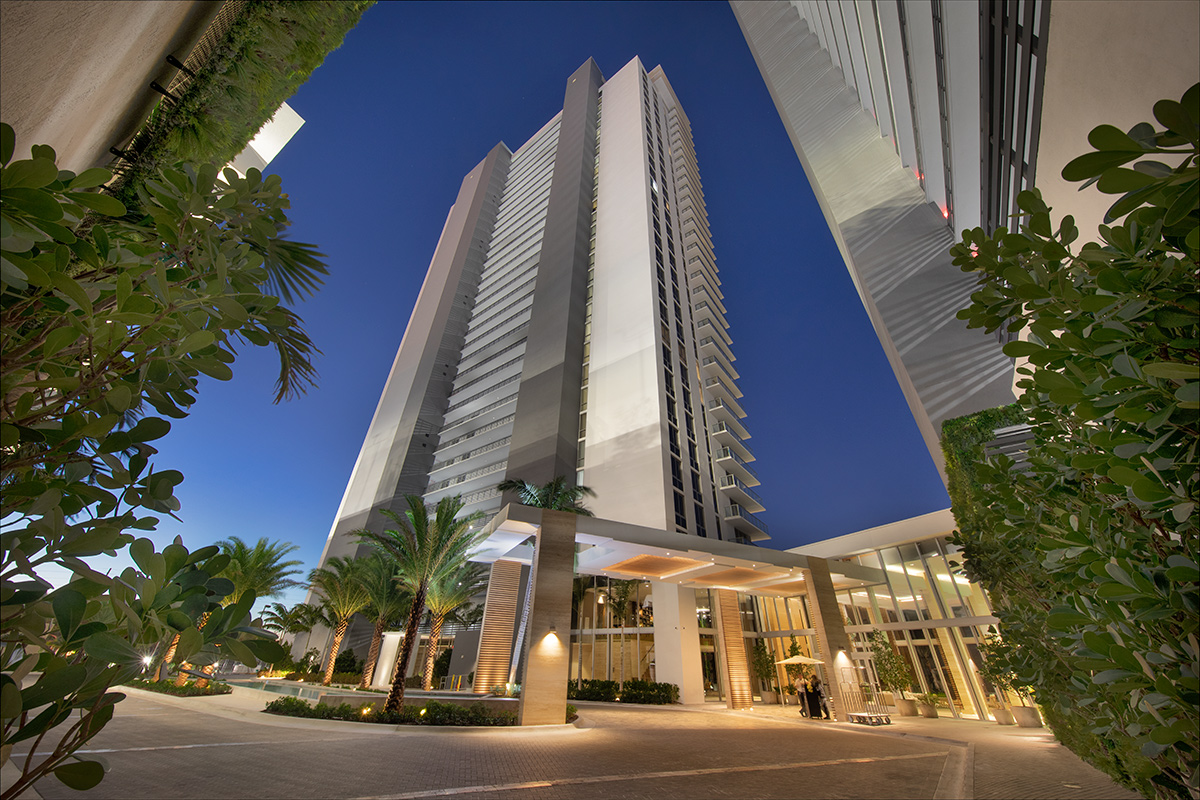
(731,481)
(725,452)
(734,510)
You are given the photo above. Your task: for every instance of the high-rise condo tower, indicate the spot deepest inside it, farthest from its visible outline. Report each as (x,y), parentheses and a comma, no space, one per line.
(571,324)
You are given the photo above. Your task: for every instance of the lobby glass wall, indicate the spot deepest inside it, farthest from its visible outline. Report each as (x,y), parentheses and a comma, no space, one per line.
(612,636)
(924,592)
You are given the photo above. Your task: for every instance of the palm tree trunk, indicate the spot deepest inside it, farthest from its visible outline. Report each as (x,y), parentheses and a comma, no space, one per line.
(395,697)
(338,633)
(435,633)
(181,679)
(373,654)
(166,659)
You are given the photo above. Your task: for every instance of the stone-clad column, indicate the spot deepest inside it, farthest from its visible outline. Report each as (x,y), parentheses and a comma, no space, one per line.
(738,688)
(832,640)
(499,614)
(548,636)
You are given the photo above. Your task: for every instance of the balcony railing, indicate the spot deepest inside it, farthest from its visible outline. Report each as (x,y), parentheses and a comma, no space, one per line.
(734,486)
(733,511)
(725,452)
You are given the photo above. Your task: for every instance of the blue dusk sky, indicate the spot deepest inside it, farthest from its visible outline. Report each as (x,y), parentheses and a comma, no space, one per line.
(415,97)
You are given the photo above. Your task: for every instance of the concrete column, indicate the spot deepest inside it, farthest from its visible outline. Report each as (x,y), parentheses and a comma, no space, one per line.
(738,690)
(832,639)
(677,640)
(499,613)
(548,633)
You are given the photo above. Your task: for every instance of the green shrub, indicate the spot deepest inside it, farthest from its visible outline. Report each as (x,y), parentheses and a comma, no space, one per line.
(433,713)
(346,662)
(632,691)
(307,677)
(589,689)
(189,689)
(572,713)
(649,692)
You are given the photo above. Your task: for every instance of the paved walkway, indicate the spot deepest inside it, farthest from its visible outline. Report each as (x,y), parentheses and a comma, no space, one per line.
(224,747)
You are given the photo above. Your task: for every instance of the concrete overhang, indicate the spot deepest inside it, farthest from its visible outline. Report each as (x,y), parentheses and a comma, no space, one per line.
(624,551)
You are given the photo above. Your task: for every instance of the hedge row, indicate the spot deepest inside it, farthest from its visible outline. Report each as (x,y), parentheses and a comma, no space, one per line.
(631,691)
(189,689)
(432,713)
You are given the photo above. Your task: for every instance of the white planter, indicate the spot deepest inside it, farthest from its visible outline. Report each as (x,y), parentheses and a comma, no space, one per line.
(1003,716)
(769,698)
(907,708)
(928,711)
(1027,716)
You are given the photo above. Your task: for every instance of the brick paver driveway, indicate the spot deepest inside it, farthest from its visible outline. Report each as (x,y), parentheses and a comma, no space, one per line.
(162,749)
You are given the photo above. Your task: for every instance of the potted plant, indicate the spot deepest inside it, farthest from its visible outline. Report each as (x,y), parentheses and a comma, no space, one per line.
(790,697)
(995,668)
(893,671)
(927,703)
(764,667)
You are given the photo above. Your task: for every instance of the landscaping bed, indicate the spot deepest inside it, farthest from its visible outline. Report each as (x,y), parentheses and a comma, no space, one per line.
(189,689)
(631,691)
(432,713)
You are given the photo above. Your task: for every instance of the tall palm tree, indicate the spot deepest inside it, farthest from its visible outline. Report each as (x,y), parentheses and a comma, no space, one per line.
(339,584)
(389,603)
(555,495)
(447,592)
(421,547)
(257,568)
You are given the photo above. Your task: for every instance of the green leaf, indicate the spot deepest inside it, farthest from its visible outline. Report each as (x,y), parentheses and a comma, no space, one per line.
(90,178)
(148,429)
(35,203)
(241,652)
(100,203)
(1112,675)
(119,396)
(1124,475)
(72,290)
(54,686)
(1096,302)
(30,174)
(8,142)
(1188,393)
(1017,349)
(1107,137)
(80,775)
(111,648)
(69,607)
(267,650)
(1171,370)
(197,341)
(1119,180)
(1090,165)
(190,642)
(59,338)
(10,698)
(1175,118)
(1113,280)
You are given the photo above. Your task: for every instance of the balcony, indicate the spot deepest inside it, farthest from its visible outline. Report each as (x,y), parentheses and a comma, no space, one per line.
(705,310)
(725,436)
(745,522)
(721,386)
(728,460)
(740,493)
(710,345)
(719,365)
(726,409)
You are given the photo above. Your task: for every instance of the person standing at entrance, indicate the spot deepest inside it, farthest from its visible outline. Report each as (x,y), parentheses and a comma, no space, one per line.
(813,697)
(817,700)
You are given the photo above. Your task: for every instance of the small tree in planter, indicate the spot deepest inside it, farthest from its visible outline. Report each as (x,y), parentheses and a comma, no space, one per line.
(764,667)
(893,670)
(997,669)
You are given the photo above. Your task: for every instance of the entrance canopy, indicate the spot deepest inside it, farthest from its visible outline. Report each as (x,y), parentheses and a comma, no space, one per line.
(624,551)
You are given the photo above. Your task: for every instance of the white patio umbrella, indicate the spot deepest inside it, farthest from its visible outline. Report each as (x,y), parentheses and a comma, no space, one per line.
(800,660)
